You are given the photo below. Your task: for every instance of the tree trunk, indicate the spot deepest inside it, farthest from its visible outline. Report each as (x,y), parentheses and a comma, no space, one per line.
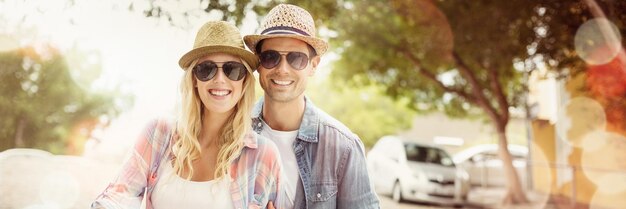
(515,193)
(19,133)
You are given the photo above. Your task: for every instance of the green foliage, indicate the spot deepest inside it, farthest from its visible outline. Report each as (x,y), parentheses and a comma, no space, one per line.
(43,107)
(366,110)
(393,42)
(379,39)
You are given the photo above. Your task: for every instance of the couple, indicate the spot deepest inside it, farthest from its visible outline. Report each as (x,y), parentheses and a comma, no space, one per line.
(289,155)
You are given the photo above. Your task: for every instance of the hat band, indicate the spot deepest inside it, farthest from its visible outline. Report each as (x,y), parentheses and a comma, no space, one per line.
(283,30)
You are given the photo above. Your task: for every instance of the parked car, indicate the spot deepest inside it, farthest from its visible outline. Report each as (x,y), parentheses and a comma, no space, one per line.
(485,167)
(412,171)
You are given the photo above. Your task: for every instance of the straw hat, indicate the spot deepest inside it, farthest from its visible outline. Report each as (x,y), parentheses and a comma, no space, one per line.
(218,36)
(288,21)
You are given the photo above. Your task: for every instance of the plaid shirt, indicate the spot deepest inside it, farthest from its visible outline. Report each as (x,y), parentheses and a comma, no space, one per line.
(255,173)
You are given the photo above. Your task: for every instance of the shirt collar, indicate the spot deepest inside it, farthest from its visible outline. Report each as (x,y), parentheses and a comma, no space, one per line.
(308,127)
(250,140)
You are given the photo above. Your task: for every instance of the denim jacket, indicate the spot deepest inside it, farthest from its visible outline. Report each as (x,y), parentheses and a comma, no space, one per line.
(331,162)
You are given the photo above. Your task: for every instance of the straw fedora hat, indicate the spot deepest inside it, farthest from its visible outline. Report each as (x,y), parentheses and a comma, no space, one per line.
(218,36)
(288,21)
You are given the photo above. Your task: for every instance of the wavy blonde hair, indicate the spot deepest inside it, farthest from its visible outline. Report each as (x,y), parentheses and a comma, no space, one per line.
(187,148)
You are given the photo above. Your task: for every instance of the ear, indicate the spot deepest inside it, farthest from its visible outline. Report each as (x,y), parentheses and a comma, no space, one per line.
(314,62)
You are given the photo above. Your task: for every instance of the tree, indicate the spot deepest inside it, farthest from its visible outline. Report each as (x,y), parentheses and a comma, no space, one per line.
(441,60)
(461,57)
(44,107)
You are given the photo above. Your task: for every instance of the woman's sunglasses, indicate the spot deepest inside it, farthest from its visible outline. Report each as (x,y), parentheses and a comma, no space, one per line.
(271,58)
(207,70)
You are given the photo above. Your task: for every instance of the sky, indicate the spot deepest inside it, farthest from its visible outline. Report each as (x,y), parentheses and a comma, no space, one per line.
(138,53)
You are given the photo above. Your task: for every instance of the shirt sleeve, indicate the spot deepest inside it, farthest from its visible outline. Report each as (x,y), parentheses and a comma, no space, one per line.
(128,188)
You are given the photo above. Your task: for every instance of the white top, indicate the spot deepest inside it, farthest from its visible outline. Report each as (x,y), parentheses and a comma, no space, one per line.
(284,142)
(172,191)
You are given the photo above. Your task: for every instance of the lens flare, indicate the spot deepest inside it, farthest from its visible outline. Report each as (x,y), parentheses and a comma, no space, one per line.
(604,161)
(580,116)
(597,41)
(601,200)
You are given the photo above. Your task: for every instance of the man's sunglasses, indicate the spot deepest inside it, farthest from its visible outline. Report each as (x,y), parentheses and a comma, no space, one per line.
(207,70)
(271,58)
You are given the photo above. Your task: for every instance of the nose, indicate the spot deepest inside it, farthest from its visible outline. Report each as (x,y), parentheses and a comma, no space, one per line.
(220,77)
(283,66)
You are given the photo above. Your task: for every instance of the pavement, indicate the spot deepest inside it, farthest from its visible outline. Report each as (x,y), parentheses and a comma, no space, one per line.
(35,179)
(478,198)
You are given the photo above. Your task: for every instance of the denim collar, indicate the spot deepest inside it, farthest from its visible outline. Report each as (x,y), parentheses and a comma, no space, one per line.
(308,126)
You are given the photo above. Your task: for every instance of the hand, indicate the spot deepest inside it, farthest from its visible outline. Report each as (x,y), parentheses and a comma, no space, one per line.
(270,205)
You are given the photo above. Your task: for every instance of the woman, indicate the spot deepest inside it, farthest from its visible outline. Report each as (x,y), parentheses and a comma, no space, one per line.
(212,159)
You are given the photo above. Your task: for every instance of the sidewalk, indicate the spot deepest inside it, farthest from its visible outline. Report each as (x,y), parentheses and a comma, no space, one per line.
(32,178)
(481,197)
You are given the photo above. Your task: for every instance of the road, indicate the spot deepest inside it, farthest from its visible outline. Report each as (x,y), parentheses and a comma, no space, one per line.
(387,203)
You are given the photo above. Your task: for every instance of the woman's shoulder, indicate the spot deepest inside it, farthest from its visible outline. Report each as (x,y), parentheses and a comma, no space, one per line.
(157,130)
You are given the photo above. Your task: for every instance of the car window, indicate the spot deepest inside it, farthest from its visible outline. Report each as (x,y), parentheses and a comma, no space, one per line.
(418,153)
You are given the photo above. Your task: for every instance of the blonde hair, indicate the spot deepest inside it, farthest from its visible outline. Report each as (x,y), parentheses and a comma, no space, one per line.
(187,148)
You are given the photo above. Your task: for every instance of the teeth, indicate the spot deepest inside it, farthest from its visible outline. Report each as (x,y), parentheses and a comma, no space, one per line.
(219,92)
(284,83)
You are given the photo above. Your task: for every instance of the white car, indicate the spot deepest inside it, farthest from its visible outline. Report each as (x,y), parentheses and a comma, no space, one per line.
(411,171)
(485,167)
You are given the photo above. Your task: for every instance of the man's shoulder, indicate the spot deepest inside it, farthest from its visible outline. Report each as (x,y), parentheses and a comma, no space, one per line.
(331,128)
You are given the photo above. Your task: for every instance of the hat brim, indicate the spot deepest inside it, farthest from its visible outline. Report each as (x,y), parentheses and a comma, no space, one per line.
(197,53)
(318,44)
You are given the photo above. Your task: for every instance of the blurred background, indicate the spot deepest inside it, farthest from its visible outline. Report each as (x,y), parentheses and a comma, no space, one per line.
(474,104)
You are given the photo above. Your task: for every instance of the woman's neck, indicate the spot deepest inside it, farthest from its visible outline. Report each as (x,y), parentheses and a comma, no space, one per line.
(212,124)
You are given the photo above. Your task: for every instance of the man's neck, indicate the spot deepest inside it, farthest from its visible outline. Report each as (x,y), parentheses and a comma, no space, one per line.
(283,116)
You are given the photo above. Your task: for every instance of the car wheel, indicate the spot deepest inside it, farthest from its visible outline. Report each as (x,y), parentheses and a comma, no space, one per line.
(396,195)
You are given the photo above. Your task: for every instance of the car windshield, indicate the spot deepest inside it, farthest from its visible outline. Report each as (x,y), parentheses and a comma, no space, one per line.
(418,153)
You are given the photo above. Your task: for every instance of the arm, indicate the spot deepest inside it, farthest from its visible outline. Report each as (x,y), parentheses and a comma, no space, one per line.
(355,189)
(127,189)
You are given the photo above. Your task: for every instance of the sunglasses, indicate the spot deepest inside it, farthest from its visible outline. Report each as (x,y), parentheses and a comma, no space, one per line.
(271,58)
(207,70)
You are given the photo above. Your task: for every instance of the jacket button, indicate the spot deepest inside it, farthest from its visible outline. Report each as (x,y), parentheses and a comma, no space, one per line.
(259,125)
(319,195)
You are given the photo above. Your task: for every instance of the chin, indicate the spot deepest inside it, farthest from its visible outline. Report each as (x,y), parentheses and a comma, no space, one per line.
(220,109)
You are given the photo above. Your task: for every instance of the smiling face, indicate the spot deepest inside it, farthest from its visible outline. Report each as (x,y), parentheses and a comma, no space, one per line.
(219,94)
(283,83)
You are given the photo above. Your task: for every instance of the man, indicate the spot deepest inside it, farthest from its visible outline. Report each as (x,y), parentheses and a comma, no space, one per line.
(324,162)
